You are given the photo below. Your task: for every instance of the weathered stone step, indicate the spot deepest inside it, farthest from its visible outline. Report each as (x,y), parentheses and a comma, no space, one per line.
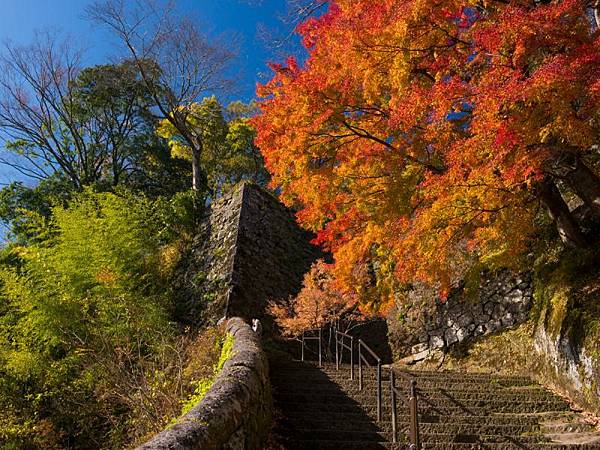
(370,409)
(498,405)
(384,436)
(491,419)
(579,437)
(459,395)
(308,378)
(421,374)
(450,388)
(403,425)
(323,409)
(362,445)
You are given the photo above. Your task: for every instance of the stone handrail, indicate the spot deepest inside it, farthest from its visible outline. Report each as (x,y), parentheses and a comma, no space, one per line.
(236,411)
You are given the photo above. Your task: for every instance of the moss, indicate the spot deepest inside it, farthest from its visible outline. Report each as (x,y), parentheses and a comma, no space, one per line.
(204,384)
(472,283)
(508,352)
(199,278)
(557,312)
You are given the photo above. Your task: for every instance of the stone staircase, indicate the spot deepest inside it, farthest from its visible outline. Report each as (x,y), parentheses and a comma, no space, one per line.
(321,408)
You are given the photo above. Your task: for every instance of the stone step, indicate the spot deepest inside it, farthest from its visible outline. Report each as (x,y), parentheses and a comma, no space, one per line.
(309,378)
(403,425)
(371,408)
(459,395)
(423,374)
(418,375)
(348,385)
(384,436)
(490,419)
(367,445)
(323,409)
(498,405)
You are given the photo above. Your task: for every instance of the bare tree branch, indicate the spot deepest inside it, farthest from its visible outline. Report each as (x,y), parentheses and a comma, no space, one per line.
(178,64)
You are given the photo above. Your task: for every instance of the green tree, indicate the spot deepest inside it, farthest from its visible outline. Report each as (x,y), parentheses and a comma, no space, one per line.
(187,63)
(27,210)
(229,154)
(56,117)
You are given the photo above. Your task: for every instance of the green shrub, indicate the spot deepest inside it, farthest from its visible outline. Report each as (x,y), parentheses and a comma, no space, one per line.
(203,385)
(88,355)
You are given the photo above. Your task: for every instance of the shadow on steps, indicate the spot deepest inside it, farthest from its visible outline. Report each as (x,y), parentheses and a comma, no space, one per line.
(329,420)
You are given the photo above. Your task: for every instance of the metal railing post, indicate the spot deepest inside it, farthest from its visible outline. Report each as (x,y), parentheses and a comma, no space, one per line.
(379,391)
(360,377)
(393,400)
(337,356)
(320,344)
(414,416)
(351,359)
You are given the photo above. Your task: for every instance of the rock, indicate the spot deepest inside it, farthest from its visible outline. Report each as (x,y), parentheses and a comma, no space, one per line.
(419,348)
(507,320)
(421,355)
(515,296)
(436,342)
(461,334)
(464,320)
(480,330)
(450,336)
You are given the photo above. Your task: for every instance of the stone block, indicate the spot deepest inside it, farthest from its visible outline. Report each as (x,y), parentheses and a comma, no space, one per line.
(515,296)
(462,334)
(488,308)
(421,355)
(464,320)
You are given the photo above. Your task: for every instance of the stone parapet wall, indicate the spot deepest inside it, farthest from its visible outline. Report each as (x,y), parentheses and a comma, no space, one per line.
(236,411)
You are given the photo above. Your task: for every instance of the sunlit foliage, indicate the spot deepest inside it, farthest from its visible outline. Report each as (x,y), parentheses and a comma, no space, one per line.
(420,137)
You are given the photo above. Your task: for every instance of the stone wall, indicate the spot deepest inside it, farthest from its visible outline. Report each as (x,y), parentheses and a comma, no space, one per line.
(567,338)
(502,301)
(570,366)
(248,250)
(236,412)
(272,254)
(204,278)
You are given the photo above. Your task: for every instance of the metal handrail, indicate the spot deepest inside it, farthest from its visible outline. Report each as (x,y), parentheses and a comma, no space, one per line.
(361,359)
(308,338)
(411,401)
(339,354)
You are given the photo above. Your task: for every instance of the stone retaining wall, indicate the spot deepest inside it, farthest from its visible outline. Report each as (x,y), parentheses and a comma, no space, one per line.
(501,301)
(248,250)
(236,413)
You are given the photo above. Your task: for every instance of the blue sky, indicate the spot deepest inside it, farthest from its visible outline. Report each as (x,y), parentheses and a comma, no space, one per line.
(20,18)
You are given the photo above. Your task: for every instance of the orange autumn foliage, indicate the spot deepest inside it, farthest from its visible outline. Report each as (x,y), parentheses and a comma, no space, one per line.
(417,134)
(320,302)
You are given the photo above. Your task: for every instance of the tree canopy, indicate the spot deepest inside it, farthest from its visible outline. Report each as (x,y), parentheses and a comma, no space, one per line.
(420,137)
(229,154)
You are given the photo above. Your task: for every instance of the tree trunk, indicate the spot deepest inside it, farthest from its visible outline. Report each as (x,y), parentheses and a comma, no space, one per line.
(196,170)
(568,229)
(584,182)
